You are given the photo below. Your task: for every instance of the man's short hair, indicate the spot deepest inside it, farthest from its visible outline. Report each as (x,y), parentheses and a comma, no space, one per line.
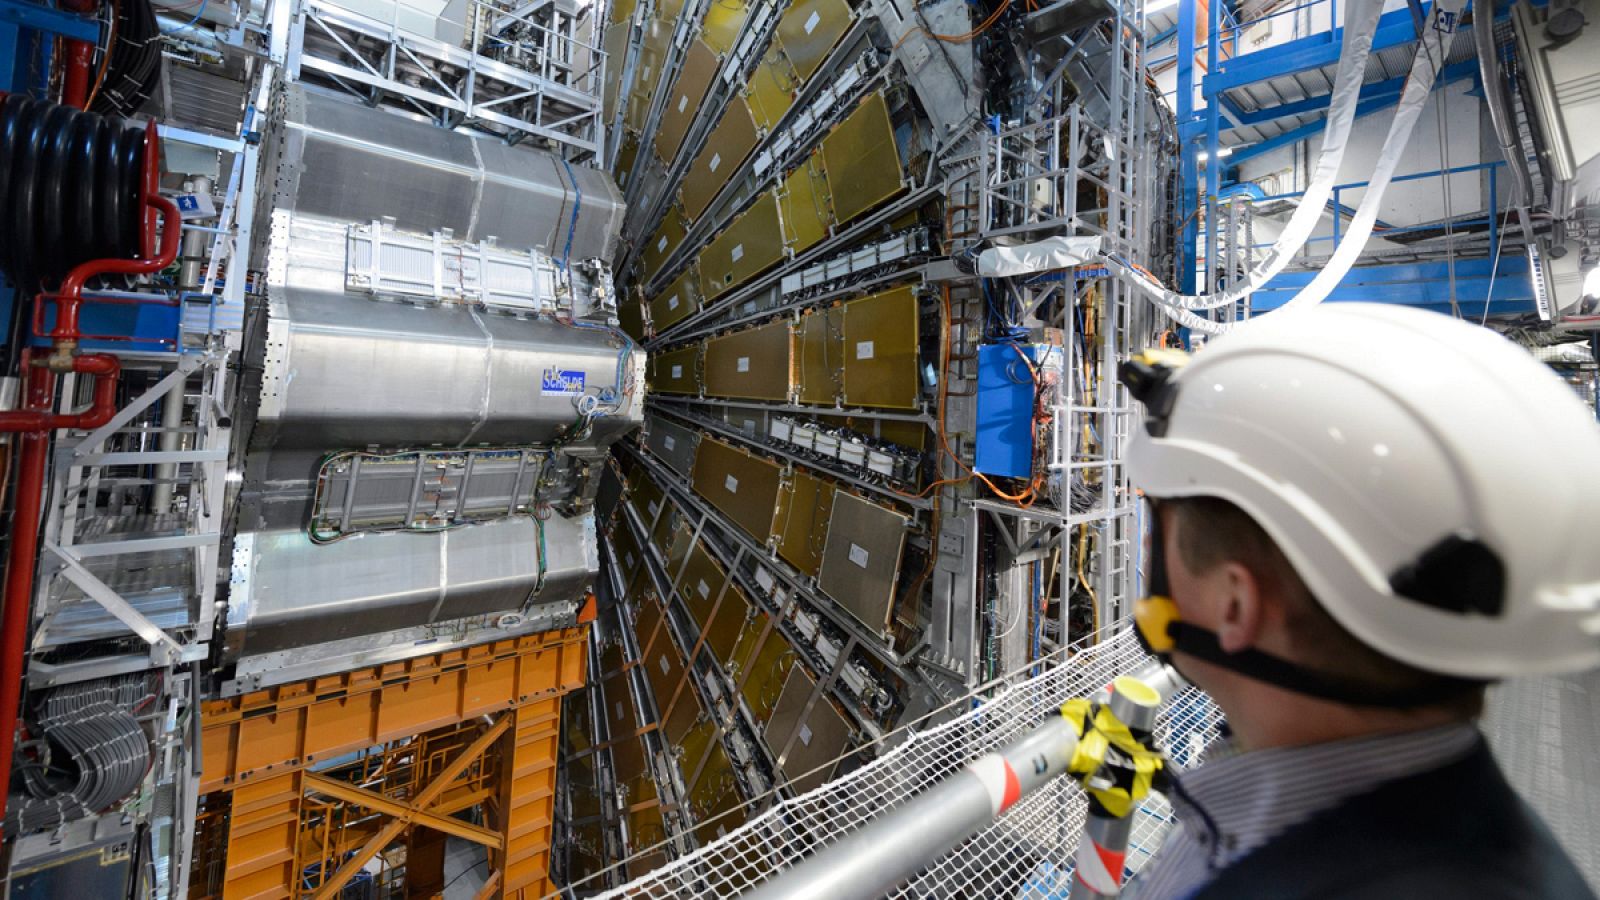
(1211,531)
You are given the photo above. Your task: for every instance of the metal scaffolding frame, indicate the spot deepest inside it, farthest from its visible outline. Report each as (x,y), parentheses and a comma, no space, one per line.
(545,81)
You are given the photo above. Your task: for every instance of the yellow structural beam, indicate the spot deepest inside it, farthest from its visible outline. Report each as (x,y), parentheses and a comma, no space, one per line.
(387,835)
(410,812)
(259,748)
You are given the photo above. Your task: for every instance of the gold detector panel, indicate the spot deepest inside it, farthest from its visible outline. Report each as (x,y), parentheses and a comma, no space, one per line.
(861,561)
(680,298)
(652,53)
(722,635)
(770,90)
(700,584)
(768,670)
(880,350)
(862,160)
(662,244)
(807,208)
(801,523)
(815,741)
(743,486)
(820,356)
(616,43)
(626,157)
(674,445)
(683,104)
(809,30)
(744,249)
(630,314)
(751,364)
(676,372)
(730,142)
(723,22)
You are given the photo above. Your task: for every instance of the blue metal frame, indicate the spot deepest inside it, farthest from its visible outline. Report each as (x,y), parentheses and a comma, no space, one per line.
(1200,131)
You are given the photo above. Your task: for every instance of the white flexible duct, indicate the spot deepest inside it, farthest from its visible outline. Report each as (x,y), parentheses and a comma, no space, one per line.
(1425,65)
(1361,24)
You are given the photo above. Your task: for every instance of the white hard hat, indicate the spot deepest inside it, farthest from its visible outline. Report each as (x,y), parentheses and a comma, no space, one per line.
(1436,487)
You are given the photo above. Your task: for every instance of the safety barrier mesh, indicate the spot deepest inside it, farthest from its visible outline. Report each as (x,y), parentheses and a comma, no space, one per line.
(1026,853)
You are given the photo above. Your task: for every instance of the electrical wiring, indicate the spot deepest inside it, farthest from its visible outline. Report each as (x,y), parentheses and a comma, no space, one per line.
(134,70)
(1026,498)
(191,23)
(105,54)
(1094,601)
(958,38)
(572,225)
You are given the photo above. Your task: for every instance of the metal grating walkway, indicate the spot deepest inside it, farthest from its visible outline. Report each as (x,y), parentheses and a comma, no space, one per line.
(1544,731)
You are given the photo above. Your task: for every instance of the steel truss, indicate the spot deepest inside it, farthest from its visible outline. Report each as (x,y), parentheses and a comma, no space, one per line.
(544,79)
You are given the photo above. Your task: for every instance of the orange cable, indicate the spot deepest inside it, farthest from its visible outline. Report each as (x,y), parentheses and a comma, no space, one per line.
(957,38)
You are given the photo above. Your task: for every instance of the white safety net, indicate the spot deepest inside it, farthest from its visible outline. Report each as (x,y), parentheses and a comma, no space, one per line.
(1026,853)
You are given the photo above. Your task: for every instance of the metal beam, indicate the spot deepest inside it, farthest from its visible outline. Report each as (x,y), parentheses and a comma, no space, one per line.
(1314,52)
(145,545)
(1387,88)
(157,391)
(1363,108)
(1423,285)
(410,812)
(56,22)
(114,603)
(332,887)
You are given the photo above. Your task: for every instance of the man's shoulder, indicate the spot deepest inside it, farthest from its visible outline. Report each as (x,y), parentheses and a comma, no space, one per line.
(1458,826)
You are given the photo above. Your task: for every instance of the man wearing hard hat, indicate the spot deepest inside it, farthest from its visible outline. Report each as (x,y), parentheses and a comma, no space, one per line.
(1362,516)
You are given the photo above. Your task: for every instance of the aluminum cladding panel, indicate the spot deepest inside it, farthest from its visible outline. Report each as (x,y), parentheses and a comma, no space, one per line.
(346,372)
(290,593)
(356,164)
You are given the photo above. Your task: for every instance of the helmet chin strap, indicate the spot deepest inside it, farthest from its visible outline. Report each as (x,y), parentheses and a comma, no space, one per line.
(1161,630)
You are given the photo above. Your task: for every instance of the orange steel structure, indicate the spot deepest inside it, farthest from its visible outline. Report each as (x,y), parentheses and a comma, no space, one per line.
(305,784)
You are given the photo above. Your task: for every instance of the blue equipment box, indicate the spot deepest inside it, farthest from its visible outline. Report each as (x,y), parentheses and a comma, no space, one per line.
(1005,407)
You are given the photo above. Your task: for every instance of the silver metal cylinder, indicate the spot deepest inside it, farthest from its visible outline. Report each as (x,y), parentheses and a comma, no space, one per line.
(872,861)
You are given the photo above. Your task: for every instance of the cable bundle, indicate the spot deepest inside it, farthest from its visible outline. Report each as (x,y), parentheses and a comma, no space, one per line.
(95,753)
(133,71)
(70,185)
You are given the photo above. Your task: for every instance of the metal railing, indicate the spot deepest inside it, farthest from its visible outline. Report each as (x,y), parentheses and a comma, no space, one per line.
(1026,852)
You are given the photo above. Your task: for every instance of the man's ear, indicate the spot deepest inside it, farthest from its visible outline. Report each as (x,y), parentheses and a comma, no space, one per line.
(1240,620)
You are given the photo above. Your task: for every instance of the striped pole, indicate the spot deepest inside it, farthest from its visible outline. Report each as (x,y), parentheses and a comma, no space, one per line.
(1103,851)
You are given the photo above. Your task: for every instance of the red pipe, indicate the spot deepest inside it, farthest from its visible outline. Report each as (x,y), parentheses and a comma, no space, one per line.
(80,59)
(38,418)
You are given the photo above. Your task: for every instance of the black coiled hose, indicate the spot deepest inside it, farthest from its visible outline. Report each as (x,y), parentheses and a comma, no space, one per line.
(69,193)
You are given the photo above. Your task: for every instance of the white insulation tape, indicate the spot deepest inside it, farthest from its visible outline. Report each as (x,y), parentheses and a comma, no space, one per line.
(1361,23)
(1419,84)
